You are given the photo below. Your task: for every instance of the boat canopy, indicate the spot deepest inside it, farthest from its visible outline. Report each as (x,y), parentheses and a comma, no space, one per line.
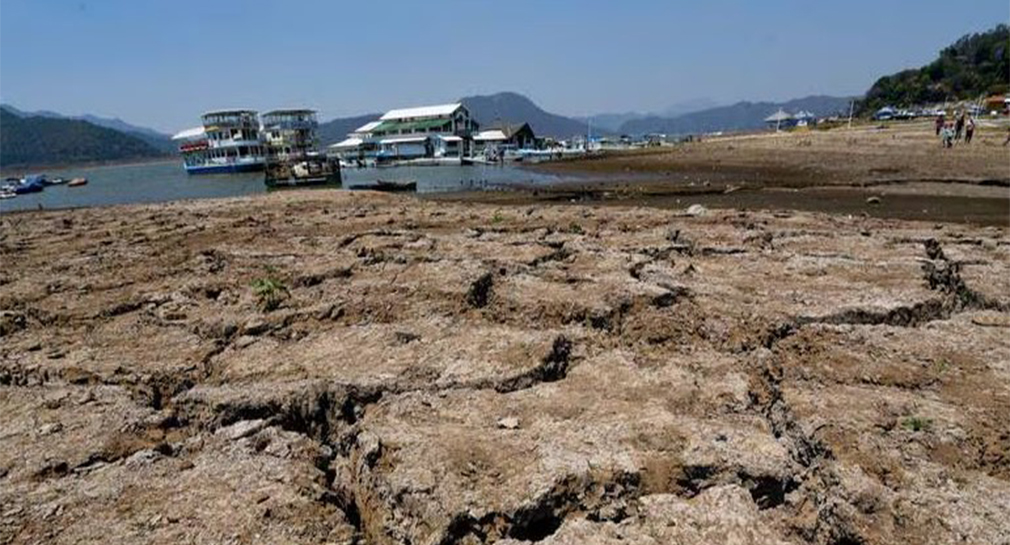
(348,143)
(189,134)
(403,140)
(229,112)
(294,111)
(424,111)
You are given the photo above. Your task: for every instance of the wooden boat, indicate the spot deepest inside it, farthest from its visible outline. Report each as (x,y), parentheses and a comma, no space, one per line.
(311,170)
(77,182)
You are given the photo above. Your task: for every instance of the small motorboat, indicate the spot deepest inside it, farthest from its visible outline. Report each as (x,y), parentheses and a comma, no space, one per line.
(7,195)
(390,186)
(77,182)
(56,181)
(30,184)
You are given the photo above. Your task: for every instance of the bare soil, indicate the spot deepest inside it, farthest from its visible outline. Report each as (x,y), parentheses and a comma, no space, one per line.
(413,371)
(896,171)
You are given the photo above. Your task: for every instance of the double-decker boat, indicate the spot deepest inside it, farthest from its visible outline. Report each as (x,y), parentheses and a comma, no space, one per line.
(292,156)
(228,141)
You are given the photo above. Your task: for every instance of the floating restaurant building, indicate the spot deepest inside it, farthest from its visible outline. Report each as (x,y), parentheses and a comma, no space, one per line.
(435,132)
(290,134)
(504,137)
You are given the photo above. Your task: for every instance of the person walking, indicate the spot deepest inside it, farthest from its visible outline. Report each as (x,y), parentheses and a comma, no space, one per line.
(969,129)
(947,135)
(958,125)
(940,120)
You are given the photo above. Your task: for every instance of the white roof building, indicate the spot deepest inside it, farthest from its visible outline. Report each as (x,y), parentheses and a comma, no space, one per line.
(491,135)
(780,115)
(367,127)
(441,110)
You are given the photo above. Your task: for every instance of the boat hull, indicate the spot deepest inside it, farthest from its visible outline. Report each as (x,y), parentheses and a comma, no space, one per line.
(333,179)
(302,172)
(224,169)
(390,187)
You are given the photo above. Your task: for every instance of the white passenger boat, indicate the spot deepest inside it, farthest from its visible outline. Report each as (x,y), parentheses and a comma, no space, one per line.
(228,141)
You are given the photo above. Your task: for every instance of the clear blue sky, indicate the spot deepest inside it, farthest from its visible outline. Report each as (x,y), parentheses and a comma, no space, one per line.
(160,63)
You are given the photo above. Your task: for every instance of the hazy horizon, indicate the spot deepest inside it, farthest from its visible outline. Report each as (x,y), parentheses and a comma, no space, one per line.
(160,65)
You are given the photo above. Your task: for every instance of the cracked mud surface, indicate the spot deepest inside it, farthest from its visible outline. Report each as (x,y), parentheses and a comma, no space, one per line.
(447,373)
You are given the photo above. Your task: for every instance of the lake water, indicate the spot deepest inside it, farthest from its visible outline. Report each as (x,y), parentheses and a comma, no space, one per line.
(167,181)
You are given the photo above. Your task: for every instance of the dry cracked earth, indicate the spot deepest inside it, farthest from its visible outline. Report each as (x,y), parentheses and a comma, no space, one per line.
(436,373)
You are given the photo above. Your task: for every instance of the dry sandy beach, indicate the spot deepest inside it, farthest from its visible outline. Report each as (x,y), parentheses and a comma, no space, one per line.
(341,367)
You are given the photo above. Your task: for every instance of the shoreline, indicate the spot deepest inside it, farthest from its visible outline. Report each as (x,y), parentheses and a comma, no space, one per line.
(56,167)
(885,173)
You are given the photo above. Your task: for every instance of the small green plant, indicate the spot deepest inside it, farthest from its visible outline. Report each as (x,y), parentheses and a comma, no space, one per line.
(917,423)
(497,218)
(575,229)
(941,366)
(269,293)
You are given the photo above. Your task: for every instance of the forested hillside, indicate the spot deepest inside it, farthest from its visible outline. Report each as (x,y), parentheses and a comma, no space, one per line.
(28,141)
(973,66)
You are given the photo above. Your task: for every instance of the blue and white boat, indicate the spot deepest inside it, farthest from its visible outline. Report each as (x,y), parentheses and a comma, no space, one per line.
(32,183)
(228,141)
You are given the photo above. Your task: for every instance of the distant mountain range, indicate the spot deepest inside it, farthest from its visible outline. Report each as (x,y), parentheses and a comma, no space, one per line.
(32,140)
(974,65)
(486,109)
(335,130)
(47,137)
(513,107)
(610,122)
(156,139)
(690,106)
(739,116)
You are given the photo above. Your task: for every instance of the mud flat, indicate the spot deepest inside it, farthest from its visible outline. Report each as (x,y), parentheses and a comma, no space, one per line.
(896,172)
(408,371)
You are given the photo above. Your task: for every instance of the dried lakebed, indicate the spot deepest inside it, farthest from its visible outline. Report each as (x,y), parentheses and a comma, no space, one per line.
(449,373)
